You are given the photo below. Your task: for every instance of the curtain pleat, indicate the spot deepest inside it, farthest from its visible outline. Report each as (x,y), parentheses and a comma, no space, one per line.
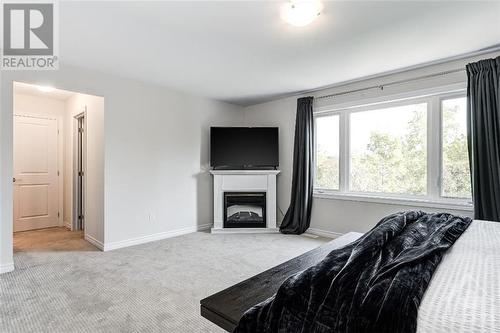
(298,215)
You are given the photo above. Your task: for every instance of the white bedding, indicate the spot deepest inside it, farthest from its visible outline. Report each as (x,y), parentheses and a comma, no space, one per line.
(464,293)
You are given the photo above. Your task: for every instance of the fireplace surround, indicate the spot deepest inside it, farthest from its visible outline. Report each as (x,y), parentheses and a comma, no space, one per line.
(252,194)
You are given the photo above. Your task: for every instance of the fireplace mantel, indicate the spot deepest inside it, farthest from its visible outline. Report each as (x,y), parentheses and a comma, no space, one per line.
(244,181)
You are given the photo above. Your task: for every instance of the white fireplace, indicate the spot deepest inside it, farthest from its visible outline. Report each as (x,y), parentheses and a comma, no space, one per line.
(256,210)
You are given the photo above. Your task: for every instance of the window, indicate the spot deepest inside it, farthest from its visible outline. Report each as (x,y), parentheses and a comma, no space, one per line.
(388,150)
(411,149)
(327,152)
(455,160)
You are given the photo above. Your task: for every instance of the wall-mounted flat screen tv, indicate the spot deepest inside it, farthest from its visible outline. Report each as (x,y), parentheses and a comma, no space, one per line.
(244,147)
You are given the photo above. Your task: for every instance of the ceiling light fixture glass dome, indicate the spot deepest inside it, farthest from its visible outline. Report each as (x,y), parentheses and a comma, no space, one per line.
(300,13)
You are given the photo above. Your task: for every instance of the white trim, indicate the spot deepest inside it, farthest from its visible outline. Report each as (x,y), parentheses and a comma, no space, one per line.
(74,168)
(439,110)
(94,242)
(60,170)
(5,268)
(324,233)
(154,237)
(434,147)
(453,204)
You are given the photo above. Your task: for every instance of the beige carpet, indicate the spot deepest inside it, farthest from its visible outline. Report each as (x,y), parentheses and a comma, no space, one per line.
(154,287)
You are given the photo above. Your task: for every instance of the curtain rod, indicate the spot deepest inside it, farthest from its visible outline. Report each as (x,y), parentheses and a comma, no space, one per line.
(392,83)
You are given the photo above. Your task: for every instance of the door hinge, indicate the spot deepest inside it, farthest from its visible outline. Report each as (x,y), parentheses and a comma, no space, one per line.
(80,130)
(81,217)
(80,173)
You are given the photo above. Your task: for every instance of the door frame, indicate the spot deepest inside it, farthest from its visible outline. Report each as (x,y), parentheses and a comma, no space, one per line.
(74,169)
(60,160)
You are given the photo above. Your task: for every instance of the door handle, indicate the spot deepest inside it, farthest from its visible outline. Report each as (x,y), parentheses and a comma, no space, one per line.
(16,180)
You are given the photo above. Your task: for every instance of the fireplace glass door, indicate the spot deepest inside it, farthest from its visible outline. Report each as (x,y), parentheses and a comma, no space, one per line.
(244,210)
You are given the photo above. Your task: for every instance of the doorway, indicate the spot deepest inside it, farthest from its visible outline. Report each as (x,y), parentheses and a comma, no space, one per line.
(50,165)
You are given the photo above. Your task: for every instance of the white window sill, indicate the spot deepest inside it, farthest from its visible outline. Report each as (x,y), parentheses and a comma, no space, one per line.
(453,204)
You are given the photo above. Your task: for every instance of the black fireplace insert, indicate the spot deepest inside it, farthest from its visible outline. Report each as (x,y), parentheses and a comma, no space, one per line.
(244,210)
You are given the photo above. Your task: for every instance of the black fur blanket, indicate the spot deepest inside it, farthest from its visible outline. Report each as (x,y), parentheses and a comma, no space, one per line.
(374,284)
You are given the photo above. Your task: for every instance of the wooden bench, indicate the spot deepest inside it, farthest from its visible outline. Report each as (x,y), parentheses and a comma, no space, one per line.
(226,307)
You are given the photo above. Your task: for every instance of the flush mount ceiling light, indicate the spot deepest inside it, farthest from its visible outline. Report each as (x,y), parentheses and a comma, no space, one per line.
(300,13)
(46,88)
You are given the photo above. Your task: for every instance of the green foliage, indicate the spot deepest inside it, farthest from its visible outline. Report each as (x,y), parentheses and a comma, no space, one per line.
(456,174)
(392,164)
(327,171)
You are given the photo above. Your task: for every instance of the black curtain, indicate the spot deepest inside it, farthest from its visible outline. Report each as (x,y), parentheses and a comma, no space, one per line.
(483,127)
(298,216)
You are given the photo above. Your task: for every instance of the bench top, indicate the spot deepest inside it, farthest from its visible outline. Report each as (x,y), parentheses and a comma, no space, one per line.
(226,307)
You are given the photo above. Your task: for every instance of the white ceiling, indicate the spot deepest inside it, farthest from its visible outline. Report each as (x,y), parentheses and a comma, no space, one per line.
(241,52)
(31,89)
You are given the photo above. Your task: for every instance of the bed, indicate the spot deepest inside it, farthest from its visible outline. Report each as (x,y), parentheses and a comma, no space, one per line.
(464,293)
(463,296)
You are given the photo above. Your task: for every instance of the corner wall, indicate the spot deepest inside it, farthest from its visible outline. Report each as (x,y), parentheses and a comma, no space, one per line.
(6,193)
(331,217)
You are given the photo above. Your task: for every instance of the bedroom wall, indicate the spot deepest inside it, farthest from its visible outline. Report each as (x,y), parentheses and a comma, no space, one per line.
(334,216)
(156,182)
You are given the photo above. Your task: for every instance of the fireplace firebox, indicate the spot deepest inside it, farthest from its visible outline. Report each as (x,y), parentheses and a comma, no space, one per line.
(244,209)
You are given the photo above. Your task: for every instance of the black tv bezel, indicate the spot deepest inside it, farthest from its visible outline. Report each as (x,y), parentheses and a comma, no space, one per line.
(243,167)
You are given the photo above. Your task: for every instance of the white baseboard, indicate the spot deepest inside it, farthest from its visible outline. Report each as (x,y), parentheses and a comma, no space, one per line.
(324,233)
(5,268)
(94,242)
(154,237)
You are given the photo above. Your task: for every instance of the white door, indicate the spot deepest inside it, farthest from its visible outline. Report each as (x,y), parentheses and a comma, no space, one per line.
(35,173)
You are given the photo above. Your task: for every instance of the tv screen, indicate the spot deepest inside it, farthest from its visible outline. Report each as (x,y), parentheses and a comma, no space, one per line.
(244,147)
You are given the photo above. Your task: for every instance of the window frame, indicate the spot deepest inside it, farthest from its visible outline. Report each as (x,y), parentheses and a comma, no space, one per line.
(442,98)
(433,197)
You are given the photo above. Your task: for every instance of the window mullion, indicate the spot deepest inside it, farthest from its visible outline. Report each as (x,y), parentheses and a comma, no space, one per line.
(434,148)
(344,152)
